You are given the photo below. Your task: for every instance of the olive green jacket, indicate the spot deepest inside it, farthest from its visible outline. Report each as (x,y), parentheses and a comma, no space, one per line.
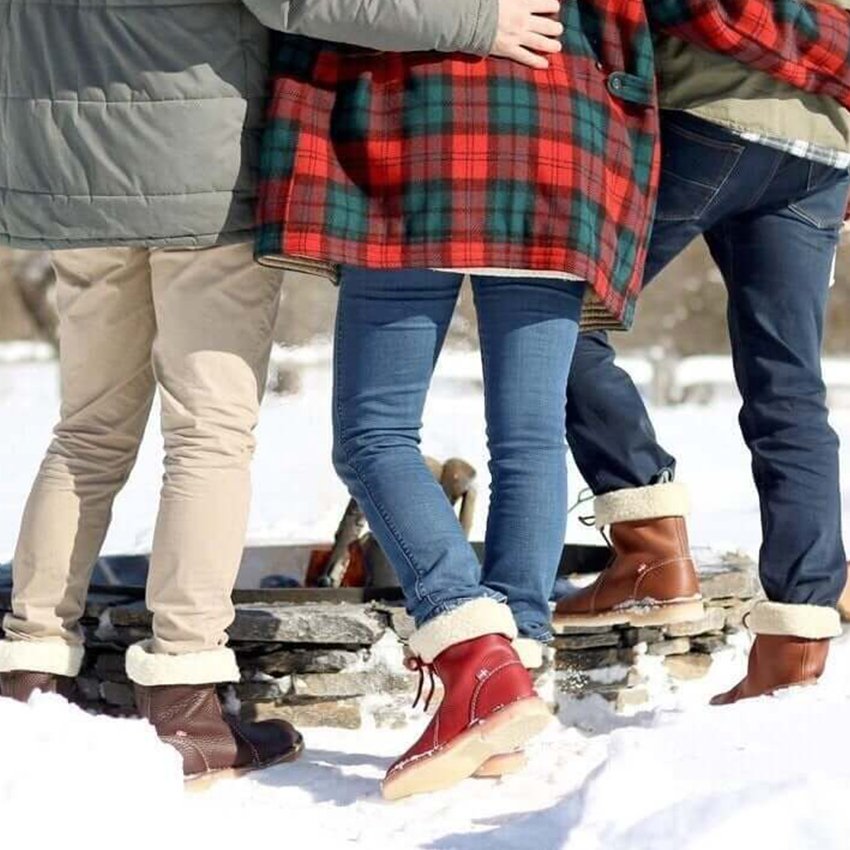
(725,92)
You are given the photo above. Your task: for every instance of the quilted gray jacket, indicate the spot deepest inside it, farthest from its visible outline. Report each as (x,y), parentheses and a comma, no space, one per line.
(136,122)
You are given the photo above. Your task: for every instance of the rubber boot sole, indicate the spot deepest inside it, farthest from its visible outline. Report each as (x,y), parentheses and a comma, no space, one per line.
(505,764)
(504,731)
(637,615)
(202,781)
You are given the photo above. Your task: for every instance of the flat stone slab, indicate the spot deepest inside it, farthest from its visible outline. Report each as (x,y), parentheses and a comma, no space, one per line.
(270,690)
(713,621)
(341,714)
(340,685)
(312,623)
(593,659)
(585,630)
(708,643)
(674,646)
(689,666)
(317,623)
(634,636)
(135,615)
(287,661)
(723,581)
(586,641)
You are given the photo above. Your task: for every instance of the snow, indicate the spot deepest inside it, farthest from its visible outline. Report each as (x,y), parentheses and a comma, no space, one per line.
(773,772)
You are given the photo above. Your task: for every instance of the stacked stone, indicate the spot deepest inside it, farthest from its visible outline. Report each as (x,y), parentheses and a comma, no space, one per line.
(312,664)
(334,664)
(605,660)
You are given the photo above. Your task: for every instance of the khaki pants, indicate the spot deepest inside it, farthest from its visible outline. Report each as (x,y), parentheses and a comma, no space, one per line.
(197,325)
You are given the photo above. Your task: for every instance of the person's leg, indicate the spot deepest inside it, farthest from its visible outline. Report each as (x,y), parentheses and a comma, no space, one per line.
(706,172)
(528,328)
(777,264)
(215,311)
(390,329)
(389,332)
(106,331)
(610,432)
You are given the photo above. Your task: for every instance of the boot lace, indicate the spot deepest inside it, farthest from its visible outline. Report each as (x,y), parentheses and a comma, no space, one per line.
(588,520)
(417,665)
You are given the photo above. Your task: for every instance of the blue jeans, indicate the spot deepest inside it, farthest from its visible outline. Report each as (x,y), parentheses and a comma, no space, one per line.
(390,330)
(771,221)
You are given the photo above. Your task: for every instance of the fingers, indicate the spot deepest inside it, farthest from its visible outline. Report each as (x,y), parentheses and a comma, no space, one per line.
(528,31)
(546,26)
(543,7)
(526,57)
(539,44)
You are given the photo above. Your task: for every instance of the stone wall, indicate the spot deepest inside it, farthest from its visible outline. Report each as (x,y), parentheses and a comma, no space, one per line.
(334,664)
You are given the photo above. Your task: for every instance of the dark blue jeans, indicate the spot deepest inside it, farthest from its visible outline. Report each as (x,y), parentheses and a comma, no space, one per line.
(771,221)
(390,329)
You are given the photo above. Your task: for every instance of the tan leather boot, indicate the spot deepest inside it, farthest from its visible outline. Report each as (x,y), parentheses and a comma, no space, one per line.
(190,719)
(790,649)
(20,685)
(651,580)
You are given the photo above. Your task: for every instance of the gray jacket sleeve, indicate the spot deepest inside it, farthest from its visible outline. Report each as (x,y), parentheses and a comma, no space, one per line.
(464,26)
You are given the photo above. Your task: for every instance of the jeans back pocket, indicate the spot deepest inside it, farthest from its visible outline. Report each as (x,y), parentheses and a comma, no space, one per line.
(697,158)
(825,203)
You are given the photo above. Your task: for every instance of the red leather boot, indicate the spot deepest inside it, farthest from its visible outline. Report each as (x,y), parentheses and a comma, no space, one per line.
(489,707)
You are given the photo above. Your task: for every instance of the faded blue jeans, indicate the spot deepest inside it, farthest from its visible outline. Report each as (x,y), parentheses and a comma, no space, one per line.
(390,329)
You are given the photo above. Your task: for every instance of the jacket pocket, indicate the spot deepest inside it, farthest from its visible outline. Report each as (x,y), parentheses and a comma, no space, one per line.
(697,159)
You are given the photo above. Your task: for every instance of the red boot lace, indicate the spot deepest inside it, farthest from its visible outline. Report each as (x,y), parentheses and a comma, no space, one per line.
(417,665)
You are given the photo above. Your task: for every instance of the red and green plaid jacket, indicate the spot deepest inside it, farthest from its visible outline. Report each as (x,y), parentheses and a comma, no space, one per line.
(428,160)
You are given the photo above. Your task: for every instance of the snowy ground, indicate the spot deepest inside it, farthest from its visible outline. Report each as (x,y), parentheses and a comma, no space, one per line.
(772,773)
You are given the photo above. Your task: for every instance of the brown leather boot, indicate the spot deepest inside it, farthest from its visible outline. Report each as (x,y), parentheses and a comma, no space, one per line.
(651,580)
(190,719)
(20,685)
(786,660)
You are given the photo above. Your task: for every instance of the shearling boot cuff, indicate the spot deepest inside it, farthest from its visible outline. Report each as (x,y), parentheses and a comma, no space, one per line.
(639,503)
(466,622)
(530,652)
(151,669)
(812,622)
(46,655)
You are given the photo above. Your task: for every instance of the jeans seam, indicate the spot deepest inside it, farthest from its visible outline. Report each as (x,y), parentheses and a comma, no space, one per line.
(771,176)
